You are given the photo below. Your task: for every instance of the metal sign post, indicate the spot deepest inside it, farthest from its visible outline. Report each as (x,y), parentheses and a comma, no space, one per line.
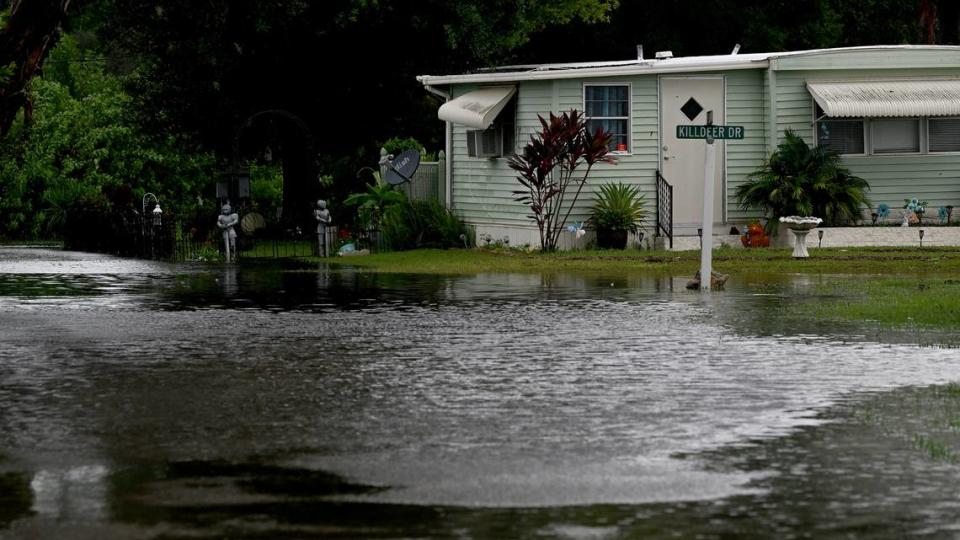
(706,247)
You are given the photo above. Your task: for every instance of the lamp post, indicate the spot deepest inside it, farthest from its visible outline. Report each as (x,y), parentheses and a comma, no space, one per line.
(147,197)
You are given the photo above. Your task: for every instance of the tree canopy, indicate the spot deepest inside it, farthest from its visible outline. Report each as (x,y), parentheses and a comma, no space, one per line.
(340,74)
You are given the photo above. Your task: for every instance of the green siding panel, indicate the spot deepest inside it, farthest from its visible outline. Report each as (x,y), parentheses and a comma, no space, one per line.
(483,188)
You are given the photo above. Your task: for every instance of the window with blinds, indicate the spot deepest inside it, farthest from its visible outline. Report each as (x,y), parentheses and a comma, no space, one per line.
(895,135)
(944,134)
(841,136)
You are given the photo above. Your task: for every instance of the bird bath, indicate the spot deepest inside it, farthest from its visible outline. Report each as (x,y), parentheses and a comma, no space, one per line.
(800,226)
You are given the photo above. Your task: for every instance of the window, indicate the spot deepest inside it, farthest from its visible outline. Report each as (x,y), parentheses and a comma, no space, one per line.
(841,136)
(608,107)
(500,139)
(879,136)
(895,135)
(944,134)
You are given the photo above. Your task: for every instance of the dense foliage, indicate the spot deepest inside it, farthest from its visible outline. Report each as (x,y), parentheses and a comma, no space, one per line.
(82,146)
(423,224)
(798,180)
(549,169)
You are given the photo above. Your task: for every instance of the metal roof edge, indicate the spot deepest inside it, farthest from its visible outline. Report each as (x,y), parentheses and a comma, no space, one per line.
(540,75)
(644,67)
(817,52)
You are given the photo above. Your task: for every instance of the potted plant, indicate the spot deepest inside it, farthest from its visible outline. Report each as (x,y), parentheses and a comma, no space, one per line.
(618,210)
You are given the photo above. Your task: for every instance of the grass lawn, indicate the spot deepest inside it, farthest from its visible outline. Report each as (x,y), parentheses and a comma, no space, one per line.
(889,286)
(892,301)
(881,261)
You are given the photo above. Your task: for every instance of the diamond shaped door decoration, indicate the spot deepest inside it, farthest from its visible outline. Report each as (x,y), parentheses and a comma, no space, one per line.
(691,109)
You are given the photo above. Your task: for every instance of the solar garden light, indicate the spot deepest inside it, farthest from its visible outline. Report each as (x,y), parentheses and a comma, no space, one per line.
(820,238)
(921,237)
(700,236)
(640,239)
(874,217)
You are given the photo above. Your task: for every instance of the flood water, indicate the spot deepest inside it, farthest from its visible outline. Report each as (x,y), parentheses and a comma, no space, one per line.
(150,400)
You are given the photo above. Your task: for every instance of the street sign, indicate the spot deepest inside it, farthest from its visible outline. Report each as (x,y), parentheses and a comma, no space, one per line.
(714,132)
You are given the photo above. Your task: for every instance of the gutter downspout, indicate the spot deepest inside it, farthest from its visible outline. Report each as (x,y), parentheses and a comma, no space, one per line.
(772,120)
(447,149)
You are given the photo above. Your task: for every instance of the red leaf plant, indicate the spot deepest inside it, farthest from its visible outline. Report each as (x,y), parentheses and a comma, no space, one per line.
(550,165)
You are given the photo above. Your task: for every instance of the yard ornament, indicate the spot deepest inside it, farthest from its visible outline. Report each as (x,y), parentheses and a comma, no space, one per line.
(227,220)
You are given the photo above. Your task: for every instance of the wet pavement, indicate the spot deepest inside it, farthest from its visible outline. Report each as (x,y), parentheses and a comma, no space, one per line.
(145,400)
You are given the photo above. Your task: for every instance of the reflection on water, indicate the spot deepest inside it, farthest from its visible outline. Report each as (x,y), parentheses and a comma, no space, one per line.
(15,497)
(155,400)
(77,493)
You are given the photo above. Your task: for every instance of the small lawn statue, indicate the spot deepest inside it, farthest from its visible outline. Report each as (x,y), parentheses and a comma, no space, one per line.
(717,281)
(322,215)
(227,220)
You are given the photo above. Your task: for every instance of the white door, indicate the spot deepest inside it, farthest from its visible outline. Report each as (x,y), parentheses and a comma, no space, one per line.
(685,101)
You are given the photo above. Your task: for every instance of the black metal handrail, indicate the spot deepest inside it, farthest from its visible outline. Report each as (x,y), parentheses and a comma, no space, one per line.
(664,208)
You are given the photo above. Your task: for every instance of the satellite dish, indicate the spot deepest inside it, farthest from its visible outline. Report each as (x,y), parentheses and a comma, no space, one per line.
(401,169)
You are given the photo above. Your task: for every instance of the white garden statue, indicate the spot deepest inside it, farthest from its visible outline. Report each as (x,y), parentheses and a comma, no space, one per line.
(800,227)
(227,220)
(322,215)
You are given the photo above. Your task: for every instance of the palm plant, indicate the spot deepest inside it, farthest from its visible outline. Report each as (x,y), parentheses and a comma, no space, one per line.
(619,207)
(803,181)
(375,200)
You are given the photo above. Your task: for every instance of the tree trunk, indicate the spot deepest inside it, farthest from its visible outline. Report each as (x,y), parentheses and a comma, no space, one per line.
(32,29)
(948,14)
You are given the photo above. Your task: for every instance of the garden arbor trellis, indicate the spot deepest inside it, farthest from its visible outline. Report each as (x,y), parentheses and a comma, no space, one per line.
(297,155)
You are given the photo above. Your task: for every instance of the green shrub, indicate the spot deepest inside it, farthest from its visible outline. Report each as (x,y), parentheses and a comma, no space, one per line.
(423,224)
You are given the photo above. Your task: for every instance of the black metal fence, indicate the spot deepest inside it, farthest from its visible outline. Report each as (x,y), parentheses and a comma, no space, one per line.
(279,245)
(664,208)
(129,235)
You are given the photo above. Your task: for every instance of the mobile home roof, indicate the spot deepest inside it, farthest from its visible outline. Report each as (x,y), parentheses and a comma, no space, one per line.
(643,66)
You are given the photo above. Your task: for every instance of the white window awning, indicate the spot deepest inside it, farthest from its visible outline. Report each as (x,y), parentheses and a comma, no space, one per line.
(887,98)
(477,109)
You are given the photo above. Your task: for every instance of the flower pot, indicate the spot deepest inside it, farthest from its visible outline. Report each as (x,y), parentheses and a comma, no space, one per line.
(611,239)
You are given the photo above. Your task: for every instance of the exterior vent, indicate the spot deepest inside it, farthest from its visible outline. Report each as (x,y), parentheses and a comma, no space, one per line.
(485,143)
(663,55)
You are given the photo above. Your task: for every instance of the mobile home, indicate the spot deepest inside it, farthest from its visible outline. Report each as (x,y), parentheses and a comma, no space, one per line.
(892,112)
